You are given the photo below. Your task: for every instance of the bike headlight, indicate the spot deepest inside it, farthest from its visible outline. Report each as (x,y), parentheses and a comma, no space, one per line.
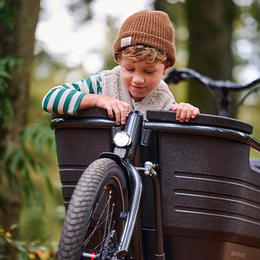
(122,139)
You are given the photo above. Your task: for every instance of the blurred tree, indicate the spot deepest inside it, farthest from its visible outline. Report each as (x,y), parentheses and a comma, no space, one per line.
(17,40)
(210,26)
(159,5)
(246,33)
(18,19)
(83,9)
(111,34)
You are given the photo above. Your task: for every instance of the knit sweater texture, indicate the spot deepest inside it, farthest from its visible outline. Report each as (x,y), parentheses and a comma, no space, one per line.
(65,99)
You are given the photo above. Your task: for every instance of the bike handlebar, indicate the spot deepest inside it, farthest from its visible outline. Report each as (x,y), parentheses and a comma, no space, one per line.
(178,75)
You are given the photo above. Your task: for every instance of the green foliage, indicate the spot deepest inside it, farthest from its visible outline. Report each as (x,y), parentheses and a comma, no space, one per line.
(7,15)
(23,156)
(26,250)
(6,65)
(20,154)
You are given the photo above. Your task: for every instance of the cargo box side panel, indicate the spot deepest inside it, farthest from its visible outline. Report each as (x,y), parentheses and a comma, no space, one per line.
(208,189)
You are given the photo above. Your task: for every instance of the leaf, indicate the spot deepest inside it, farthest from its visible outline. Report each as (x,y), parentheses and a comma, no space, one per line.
(5,74)
(47,179)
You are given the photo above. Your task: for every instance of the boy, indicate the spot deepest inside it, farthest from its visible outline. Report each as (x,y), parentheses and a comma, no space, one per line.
(145,51)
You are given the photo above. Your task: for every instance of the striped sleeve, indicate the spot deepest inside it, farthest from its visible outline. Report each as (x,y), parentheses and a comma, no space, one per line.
(65,99)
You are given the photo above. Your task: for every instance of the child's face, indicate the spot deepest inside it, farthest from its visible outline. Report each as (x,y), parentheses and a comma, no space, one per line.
(141,78)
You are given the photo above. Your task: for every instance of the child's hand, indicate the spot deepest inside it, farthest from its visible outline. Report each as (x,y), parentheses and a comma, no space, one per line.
(114,106)
(185,111)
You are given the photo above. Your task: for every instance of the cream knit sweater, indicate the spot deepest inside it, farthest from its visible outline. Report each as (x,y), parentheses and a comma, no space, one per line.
(159,99)
(65,99)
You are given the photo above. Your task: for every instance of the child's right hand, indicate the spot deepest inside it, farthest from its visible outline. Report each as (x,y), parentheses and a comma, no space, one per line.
(185,111)
(113,106)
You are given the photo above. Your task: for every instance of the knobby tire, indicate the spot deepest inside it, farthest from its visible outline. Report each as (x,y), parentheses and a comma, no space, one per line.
(94,221)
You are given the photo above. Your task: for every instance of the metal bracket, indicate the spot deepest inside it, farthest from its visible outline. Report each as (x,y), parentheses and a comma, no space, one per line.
(148,169)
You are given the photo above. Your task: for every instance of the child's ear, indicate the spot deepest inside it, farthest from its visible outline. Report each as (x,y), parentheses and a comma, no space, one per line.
(166,68)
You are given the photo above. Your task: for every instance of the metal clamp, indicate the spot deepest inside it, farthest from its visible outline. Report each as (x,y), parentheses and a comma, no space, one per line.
(148,169)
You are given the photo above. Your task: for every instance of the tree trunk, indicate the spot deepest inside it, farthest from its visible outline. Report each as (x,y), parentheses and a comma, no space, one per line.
(17,41)
(159,5)
(210,37)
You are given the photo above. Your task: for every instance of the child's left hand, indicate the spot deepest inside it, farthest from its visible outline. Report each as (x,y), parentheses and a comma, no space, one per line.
(185,111)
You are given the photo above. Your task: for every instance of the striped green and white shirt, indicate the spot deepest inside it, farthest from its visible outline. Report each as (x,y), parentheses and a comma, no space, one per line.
(65,99)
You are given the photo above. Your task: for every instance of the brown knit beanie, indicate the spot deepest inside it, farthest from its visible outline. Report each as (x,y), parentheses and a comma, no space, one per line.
(149,28)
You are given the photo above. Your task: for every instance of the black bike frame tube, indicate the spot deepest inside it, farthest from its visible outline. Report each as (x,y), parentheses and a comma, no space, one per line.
(133,128)
(132,214)
(160,255)
(254,143)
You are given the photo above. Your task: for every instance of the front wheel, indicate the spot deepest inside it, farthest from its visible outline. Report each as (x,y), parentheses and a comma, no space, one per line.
(95,217)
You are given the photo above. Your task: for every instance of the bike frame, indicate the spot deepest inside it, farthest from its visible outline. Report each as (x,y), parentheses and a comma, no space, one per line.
(139,130)
(224,87)
(124,157)
(136,128)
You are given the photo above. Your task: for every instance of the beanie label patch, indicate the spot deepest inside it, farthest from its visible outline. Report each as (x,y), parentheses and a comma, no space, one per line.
(126,41)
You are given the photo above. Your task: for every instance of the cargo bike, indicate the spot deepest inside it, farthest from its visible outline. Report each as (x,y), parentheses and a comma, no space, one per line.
(158,189)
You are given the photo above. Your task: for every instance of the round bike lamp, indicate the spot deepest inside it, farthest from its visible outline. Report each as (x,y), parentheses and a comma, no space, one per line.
(122,139)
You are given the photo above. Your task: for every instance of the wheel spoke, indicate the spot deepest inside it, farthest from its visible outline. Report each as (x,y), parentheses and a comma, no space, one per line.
(92,233)
(98,224)
(95,209)
(109,217)
(106,231)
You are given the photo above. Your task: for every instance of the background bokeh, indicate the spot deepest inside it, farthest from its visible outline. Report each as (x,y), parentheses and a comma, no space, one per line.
(72,40)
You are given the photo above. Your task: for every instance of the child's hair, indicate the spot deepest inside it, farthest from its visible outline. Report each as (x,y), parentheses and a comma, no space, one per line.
(148,28)
(142,53)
